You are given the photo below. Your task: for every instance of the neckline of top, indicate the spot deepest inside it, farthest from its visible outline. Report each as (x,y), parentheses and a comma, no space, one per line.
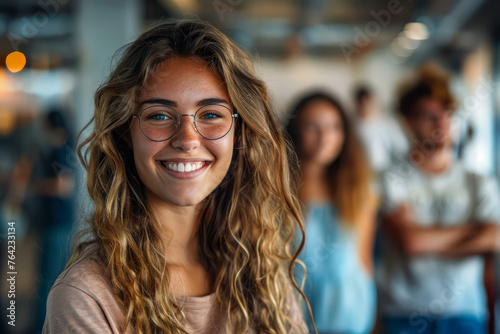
(436,176)
(194,299)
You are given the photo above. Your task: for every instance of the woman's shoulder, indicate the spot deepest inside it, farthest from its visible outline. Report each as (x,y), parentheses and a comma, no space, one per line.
(88,274)
(295,312)
(88,277)
(82,300)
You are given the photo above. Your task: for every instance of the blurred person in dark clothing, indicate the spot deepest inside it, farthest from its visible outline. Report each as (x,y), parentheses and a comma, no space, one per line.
(382,137)
(20,146)
(53,185)
(19,149)
(439,222)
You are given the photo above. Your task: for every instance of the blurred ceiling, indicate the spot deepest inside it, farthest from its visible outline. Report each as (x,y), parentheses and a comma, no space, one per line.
(277,28)
(271,28)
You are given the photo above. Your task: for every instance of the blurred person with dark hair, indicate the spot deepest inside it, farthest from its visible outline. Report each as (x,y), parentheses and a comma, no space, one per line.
(382,137)
(439,222)
(340,222)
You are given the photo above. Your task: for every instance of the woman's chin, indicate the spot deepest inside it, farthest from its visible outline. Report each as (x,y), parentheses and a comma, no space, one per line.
(185,200)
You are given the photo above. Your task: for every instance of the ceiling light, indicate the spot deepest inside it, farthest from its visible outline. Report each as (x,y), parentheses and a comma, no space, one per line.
(417,31)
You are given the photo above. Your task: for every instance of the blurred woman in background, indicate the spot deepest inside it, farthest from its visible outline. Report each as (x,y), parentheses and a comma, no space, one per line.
(340,222)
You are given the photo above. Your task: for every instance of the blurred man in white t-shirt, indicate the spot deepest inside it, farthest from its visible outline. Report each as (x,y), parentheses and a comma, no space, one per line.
(440,222)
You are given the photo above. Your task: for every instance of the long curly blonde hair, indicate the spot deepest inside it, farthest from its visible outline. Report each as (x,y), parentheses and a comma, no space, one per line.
(250,219)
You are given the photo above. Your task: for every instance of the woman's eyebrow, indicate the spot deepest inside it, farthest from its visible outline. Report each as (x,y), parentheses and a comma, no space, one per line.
(164,102)
(169,103)
(212,100)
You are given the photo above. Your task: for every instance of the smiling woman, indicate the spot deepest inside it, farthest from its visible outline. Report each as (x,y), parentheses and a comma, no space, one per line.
(193,186)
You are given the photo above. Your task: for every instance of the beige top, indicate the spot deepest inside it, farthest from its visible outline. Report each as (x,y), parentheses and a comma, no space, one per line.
(81,301)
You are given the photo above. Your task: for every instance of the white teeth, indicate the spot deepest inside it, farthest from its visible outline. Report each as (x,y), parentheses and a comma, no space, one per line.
(185,167)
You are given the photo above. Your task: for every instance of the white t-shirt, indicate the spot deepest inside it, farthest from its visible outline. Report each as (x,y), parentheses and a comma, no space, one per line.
(432,285)
(383,141)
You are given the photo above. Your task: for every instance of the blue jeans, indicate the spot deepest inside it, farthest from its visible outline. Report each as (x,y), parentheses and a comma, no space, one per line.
(443,325)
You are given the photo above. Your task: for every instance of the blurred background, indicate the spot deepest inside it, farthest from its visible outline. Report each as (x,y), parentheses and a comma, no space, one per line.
(55,53)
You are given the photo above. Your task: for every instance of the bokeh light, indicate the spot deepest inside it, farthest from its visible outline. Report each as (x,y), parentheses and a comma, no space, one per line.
(15,61)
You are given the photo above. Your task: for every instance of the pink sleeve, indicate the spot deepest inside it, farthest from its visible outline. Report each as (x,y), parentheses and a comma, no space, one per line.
(71,310)
(296,315)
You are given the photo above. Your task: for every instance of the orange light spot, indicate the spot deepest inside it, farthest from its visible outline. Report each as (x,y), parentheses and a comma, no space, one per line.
(15,61)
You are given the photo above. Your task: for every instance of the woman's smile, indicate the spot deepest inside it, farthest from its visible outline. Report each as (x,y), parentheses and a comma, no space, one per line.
(184,170)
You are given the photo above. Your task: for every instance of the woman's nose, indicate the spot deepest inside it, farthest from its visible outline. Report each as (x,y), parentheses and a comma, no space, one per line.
(186,136)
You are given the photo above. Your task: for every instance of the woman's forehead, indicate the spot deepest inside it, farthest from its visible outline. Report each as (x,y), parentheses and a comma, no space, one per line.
(185,81)
(321,110)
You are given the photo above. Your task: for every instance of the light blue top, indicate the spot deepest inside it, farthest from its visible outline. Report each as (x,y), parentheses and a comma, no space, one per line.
(341,293)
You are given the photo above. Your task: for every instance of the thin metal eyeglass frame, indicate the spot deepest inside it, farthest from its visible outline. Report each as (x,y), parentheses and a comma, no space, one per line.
(233,115)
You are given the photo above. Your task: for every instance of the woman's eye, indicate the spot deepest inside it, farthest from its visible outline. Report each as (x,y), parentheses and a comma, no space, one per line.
(210,115)
(159,117)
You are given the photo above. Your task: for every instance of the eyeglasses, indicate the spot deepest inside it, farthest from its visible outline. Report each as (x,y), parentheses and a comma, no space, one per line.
(160,123)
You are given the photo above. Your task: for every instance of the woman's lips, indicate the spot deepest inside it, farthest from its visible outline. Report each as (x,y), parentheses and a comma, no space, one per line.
(184,175)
